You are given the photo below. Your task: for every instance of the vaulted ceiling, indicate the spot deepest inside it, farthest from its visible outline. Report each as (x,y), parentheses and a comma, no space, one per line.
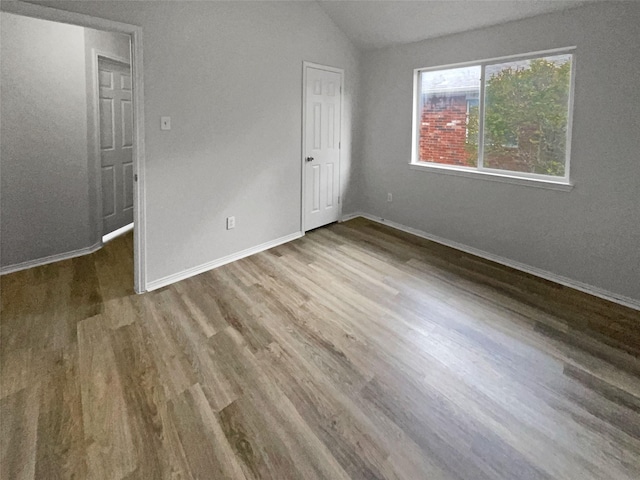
(378,24)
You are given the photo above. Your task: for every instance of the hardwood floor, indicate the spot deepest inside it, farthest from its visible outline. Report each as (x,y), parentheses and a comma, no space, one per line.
(356,352)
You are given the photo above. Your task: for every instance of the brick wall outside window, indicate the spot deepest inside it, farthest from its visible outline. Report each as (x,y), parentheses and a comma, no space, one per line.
(443,130)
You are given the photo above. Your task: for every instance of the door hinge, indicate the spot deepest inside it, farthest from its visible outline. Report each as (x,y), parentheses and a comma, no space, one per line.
(339,199)
(339,145)
(135,177)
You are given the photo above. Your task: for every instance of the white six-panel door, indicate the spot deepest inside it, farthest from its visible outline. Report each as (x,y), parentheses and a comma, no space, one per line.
(116,144)
(323,101)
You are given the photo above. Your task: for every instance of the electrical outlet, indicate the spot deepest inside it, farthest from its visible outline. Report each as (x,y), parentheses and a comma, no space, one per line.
(231,223)
(389,197)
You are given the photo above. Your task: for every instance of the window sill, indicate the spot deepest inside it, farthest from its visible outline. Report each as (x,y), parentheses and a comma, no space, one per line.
(494,177)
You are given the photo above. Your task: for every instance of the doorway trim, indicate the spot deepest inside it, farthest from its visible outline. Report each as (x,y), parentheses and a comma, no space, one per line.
(135,32)
(303,201)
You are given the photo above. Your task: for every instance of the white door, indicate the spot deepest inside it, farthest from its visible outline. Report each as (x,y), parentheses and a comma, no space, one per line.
(116,144)
(323,102)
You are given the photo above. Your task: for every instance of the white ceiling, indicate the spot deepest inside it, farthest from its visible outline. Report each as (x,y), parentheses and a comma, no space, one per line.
(377,24)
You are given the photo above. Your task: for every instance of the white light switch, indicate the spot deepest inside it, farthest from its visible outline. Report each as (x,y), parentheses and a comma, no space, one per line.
(165,123)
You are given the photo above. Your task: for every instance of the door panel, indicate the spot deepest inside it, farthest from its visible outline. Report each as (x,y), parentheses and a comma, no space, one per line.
(125,82)
(108,191)
(330,192)
(116,144)
(106,123)
(322,144)
(315,195)
(127,124)
(317,125)
(106,79)
(128,185)
(331,129)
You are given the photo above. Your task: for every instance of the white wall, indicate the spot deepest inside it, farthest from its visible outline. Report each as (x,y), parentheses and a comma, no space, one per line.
(591,234)
(44,189)
(116,46)
(230,76)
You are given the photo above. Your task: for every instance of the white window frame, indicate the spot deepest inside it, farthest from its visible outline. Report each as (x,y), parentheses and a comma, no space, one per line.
(507,176)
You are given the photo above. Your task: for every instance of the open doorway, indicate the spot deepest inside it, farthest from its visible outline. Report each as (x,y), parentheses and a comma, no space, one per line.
(72,144)
(115,144)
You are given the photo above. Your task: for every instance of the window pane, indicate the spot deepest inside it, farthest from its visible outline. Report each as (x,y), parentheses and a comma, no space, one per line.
(449,116)
(525,118)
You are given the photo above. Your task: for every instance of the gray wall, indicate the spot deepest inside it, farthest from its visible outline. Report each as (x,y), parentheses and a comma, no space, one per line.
(230,76)
(591,234)
(44,193)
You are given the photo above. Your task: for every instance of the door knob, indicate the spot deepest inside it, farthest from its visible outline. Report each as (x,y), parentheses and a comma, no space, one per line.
(309,159)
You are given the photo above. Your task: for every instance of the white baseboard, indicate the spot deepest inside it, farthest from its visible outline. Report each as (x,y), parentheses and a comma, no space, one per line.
(116,233)
(351,216)
(50,259)
(538,272)
(205,267)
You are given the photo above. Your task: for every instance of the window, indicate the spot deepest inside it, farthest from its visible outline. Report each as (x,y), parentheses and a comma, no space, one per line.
(505,117)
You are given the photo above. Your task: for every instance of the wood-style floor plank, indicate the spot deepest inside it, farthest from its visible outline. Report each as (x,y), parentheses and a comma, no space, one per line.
(357,351)
(61,446)
(206,448)
(18,433)
(107,423)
